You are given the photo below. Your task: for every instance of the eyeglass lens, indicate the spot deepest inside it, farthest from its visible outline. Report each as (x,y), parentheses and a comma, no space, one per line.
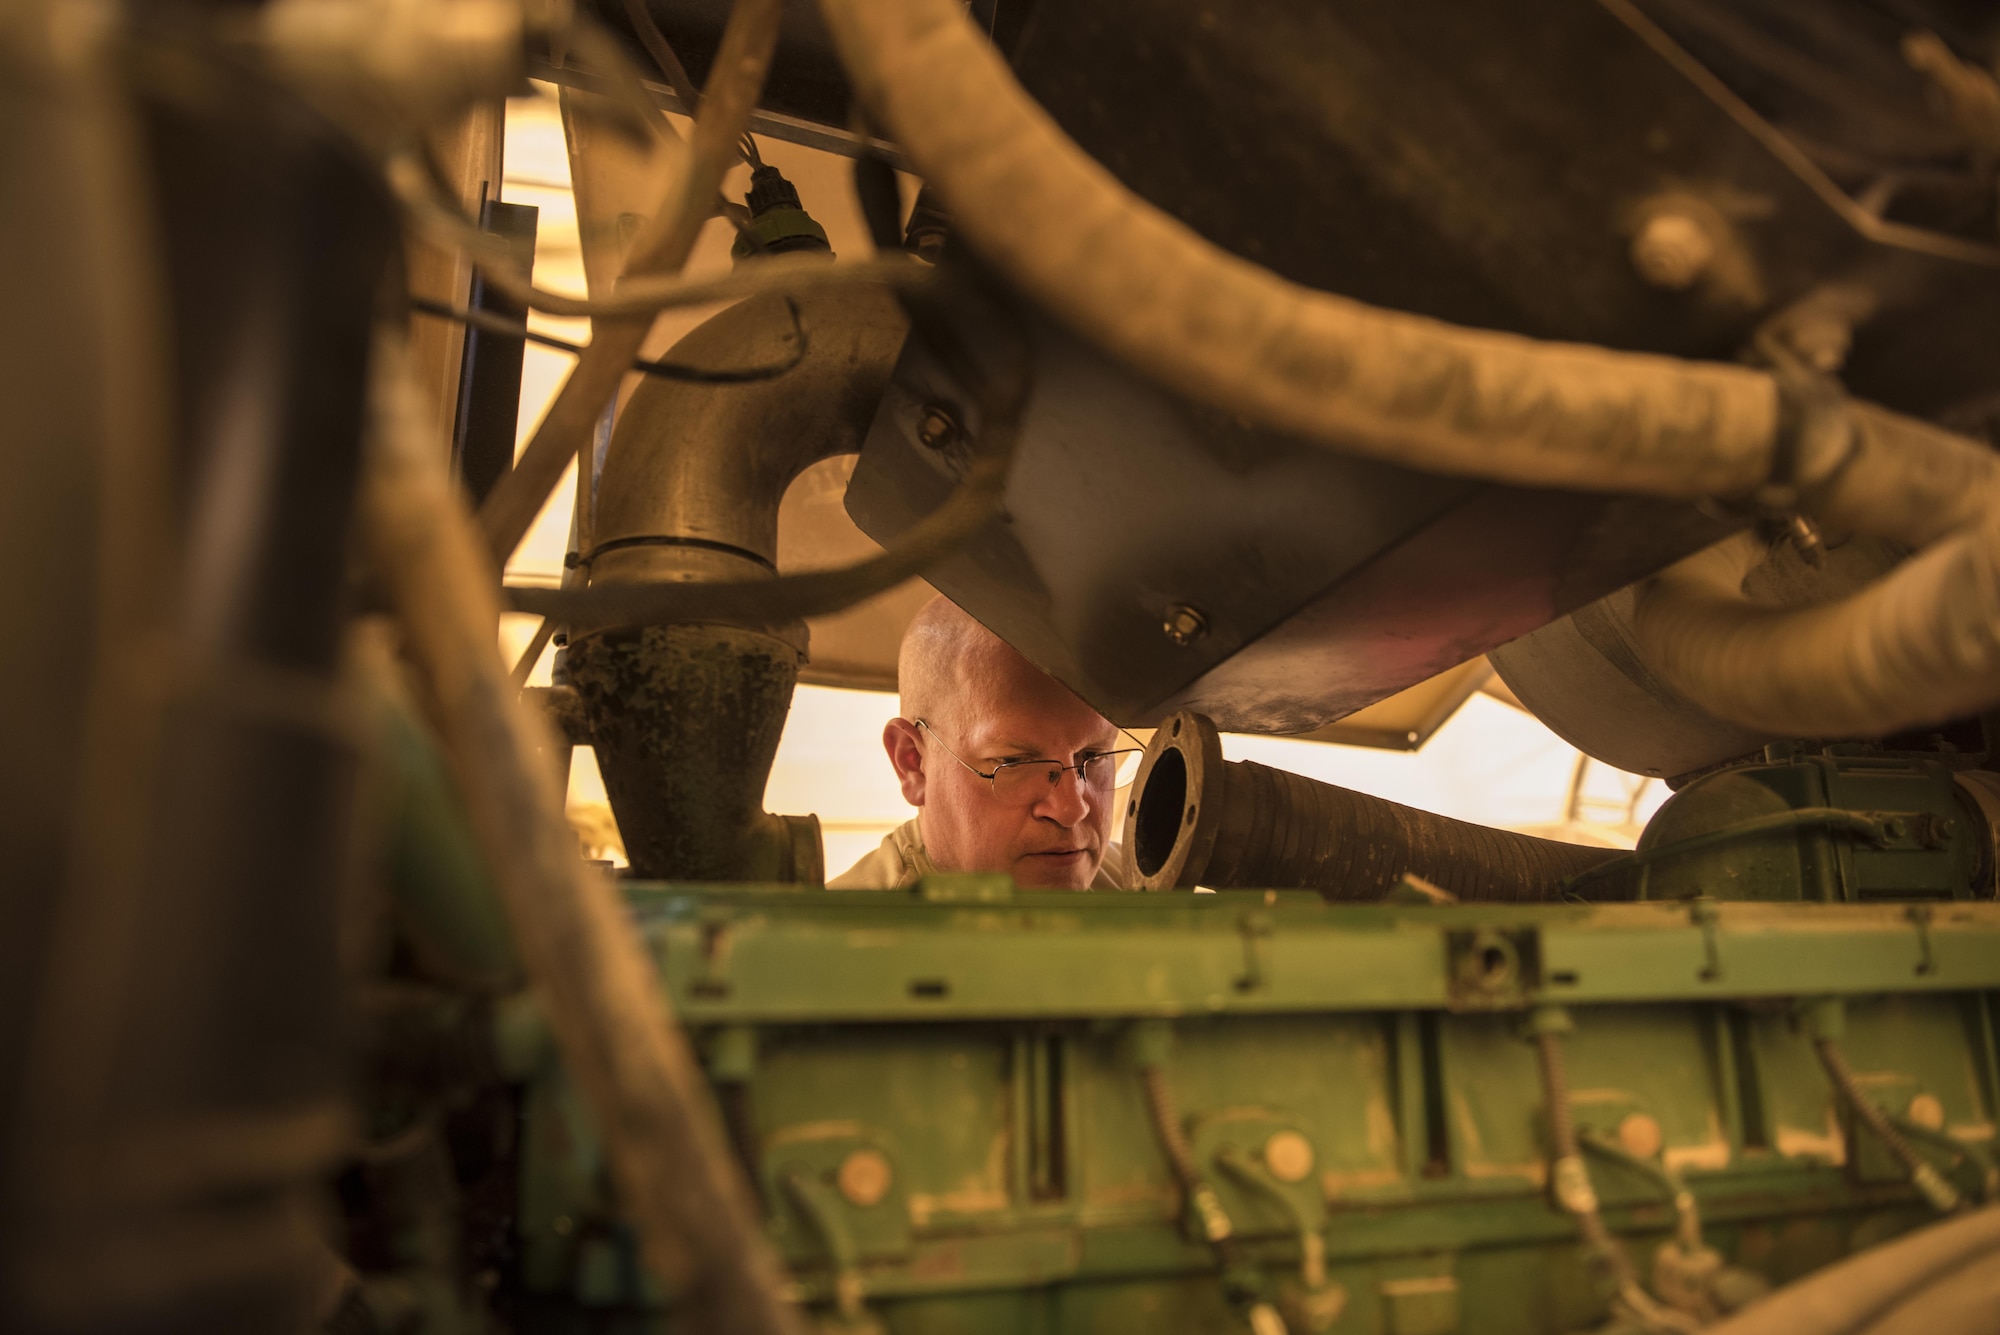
(1025,780)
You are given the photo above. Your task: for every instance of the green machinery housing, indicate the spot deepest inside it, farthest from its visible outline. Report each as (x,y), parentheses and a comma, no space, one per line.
(967,1108)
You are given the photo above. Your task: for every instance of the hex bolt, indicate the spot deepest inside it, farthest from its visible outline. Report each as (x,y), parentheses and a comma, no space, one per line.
(1184,625)
(937,428)
(1672,250)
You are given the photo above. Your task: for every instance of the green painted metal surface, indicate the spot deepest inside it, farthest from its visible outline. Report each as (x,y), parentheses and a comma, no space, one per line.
(949,1130)
(1846,824)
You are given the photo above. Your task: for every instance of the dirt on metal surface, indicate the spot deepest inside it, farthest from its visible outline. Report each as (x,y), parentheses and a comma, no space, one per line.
(686,721)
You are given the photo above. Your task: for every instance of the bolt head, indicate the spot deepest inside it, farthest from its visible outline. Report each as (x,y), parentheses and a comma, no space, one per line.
(936,428)
(864,1177)
(1672,250)
(1927,1112)
(1184,625)
(1640,1135)
(1289,1156)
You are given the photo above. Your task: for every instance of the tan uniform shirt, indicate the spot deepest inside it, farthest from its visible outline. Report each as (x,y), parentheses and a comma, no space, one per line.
(901,859)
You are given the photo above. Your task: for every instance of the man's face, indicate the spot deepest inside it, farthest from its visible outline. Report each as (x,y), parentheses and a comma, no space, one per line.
(1056,838)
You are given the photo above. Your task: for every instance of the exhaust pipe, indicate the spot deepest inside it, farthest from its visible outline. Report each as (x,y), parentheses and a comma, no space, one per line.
(685,719)
(1196,819)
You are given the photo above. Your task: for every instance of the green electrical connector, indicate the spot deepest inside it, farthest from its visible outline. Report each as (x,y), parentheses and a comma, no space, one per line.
(779,224)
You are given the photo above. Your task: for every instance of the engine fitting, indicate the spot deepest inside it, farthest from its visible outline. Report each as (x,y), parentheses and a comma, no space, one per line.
(1195,819)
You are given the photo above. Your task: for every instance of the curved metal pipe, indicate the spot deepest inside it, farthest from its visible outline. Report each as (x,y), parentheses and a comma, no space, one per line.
(694,475)
(1194,819)
(686,718)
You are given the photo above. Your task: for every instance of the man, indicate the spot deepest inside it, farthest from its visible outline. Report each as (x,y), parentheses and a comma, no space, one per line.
(1009,771)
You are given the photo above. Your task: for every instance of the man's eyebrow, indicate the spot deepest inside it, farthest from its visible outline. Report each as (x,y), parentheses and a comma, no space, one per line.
(1008,749)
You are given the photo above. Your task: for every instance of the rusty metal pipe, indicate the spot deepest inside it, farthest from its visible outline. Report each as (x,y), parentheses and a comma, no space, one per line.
(1195,819)
(694,473)
(685,718)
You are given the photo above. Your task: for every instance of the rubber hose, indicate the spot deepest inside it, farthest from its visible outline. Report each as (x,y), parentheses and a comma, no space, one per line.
(1964,1302)
(1351,846)
(1846,1297)
(1921,645)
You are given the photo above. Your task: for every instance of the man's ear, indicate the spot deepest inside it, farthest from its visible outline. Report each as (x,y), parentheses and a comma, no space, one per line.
(906,757)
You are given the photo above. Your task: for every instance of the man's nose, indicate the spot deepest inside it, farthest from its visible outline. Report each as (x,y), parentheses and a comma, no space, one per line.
(1067,802)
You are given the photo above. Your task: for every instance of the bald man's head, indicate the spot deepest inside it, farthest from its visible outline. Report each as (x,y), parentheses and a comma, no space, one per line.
(983,701)
(946,656)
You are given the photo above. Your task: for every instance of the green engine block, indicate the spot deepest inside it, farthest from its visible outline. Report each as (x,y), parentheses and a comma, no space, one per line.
(942,1098)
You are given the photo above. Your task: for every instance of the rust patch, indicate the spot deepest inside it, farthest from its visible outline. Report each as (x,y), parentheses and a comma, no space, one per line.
(1334,1184)
(925,1206)
(1711,1154)
(1828,1146)
(983,1192)
(1383,1138)
(941,1263)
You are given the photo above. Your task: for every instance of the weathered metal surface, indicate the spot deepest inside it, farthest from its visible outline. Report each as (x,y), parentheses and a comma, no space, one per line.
(967,1055)
(1320,582)
(1848,824)
(685,721)
(1432,159)
(880,956)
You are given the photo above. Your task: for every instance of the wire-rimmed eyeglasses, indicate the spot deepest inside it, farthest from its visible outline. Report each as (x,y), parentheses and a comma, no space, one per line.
(1022,782)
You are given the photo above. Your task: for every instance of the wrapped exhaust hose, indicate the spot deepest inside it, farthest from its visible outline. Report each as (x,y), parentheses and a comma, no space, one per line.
(1964,1302)
(1856,1294)
(1194,819)
(1424,394)
(1389,385)
(1920,645)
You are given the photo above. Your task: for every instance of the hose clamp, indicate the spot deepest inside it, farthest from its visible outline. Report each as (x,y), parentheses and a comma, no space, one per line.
(1815,438)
